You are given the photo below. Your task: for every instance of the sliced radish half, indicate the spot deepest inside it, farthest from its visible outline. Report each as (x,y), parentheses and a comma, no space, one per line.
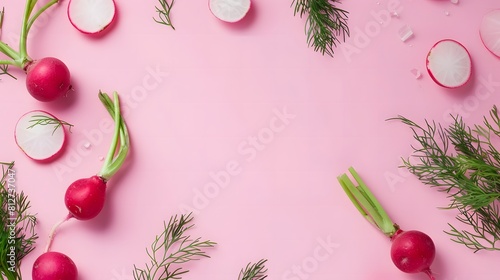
(490,31)
(91,16)
(40,135)
(449,64)
(229,10)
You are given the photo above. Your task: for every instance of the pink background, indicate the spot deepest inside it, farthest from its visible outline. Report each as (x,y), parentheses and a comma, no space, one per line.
(216,86)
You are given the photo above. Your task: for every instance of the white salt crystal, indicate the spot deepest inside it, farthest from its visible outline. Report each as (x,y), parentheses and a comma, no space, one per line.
(405,33)
(416,73)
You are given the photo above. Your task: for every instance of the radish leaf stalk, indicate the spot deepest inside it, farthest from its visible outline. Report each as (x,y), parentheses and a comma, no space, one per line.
(164,12)
(462,161)
(255,271)
(85,197)
(172,248)
(326,24)
(366,203)
(17,219)
(115,159)
(411,251)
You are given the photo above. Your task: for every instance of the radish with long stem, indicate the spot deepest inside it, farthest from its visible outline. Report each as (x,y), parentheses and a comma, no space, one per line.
(85,198)
(411,251)
(47,79)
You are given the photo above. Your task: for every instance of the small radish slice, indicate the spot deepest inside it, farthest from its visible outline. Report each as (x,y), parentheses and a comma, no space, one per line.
(229,10)
(449,64)
(91,16)
(41,142)
(490,31)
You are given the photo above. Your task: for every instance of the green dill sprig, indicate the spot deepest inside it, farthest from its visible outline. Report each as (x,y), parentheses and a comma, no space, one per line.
(47,120)
(462,161)
(255,271)
(326,24)
(172,248)
(4,70)
(15,221)
(164,12)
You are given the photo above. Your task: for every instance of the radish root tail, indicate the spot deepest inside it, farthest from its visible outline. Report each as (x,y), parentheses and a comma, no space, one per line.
(429,273)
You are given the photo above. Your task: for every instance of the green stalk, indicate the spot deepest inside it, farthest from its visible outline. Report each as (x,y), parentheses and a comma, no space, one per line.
(30,5)
(20,58)
(10,52)
(115,159)
(8,62)
(366,203)
(39,12)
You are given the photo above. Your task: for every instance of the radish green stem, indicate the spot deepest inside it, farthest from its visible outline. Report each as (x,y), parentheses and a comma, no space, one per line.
(10,52)
(20,58)
(30,5)
(366,203)
(54,230)
(2,12)
(115,159)
(39,12)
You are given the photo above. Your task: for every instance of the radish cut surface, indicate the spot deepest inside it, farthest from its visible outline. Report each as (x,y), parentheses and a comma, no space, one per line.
(91,16)
(229,10)
(41,141)
(490,31)
(449,64)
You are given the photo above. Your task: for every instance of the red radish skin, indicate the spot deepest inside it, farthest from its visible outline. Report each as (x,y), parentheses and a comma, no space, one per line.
(54,266)
(413,251)
(41,143)
(47,79)
(85,198)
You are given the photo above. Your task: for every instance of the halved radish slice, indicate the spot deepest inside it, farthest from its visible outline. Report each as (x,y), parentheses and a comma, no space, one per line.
(91,16)
(490,31)
(449,64)
(229,10)
(40,135)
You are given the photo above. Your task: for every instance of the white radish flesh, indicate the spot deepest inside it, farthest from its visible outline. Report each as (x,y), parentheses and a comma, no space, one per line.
(449,64)
(229,10)
(490,31)
(40,142)
(91,16)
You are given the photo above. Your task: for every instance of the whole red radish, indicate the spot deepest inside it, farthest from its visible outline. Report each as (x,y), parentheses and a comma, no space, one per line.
(85,197)
(47,79)
(54,266)
(411,251)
